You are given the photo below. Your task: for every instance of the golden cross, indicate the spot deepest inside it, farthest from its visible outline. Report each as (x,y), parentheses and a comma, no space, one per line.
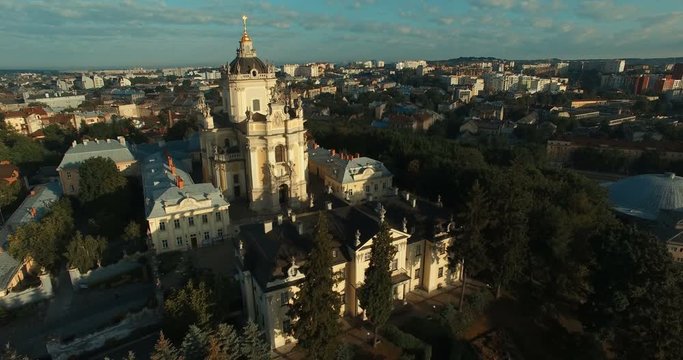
(244,21)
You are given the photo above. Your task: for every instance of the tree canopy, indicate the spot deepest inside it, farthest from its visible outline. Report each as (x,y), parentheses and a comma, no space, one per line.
(45,240)
(85,252)
(376,295)
(99,176)
(316,305)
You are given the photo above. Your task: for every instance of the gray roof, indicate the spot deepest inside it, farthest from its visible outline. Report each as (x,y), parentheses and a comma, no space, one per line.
(43,196)
(109,148)
(346,170)
(160,189)
(643,196)
(8,267)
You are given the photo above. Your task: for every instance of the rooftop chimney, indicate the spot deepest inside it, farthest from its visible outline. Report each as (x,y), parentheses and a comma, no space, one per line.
(300,228)
(171,165)
(85,141)
(333,152)
(280,218)
(328,205)
(121,140)
(74,143)
(180,183)
(267,226)
(33,212)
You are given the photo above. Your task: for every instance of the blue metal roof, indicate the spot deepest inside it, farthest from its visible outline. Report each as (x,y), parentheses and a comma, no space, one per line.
(643,196)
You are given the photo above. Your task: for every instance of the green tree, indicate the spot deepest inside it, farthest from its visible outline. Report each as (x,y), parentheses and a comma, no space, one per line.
(469,250)
(84,252)
(636,296)
(9,193)
(316,305)
(509,231)
(192,304)
(376,293)
(99,176)
(44,240)
(195,344)
(224,344)
(164,350)
(252,346)
(131,232)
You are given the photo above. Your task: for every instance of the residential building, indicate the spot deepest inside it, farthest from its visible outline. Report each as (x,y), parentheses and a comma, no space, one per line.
(260,154)
(58,102)
(116,150)
(25,121)
(350,177)
(33,208)
(180,214)
(270,255)
(290,69)
(559,151)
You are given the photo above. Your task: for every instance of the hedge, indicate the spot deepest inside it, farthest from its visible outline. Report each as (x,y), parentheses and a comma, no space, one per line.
(408,342)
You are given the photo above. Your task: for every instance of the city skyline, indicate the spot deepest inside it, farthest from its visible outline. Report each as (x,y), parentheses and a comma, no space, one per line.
(78,34)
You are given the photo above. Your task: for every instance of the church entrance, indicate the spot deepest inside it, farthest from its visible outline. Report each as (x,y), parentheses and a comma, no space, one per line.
(283,192)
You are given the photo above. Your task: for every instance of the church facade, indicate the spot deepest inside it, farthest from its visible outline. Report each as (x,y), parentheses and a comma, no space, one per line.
(260,155)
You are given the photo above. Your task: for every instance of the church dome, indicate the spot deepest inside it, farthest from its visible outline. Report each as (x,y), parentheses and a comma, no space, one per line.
(643,196)
(245,65)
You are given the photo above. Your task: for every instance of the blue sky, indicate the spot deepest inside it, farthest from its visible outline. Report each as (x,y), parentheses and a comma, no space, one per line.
(70,34)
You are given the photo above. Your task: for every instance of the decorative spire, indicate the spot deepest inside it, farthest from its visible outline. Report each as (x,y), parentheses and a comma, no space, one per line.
(382,213)
(245,35)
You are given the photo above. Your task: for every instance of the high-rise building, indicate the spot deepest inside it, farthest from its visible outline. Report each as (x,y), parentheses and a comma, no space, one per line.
(260,154)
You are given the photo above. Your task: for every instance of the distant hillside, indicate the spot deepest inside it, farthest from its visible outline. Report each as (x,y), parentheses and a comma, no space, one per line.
(630,61)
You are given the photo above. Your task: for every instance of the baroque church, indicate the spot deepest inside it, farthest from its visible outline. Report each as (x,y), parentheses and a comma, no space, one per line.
(260,154)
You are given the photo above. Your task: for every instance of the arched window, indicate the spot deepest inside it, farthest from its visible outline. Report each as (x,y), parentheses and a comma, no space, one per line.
(256,105)
(280,153)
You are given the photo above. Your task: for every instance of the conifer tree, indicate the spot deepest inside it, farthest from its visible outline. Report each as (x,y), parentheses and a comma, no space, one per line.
(469,249)
(316,305)
(376,293)
(195,344)
(224,344)
(252,347)
(164,349)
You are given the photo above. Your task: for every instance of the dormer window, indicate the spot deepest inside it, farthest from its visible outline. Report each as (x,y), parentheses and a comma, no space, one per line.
(254,72)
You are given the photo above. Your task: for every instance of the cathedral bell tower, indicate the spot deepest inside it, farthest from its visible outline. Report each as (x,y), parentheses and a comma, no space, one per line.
(264,146)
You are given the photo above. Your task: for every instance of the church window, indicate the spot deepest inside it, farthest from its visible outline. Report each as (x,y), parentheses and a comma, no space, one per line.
(256,105)
(280,153)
